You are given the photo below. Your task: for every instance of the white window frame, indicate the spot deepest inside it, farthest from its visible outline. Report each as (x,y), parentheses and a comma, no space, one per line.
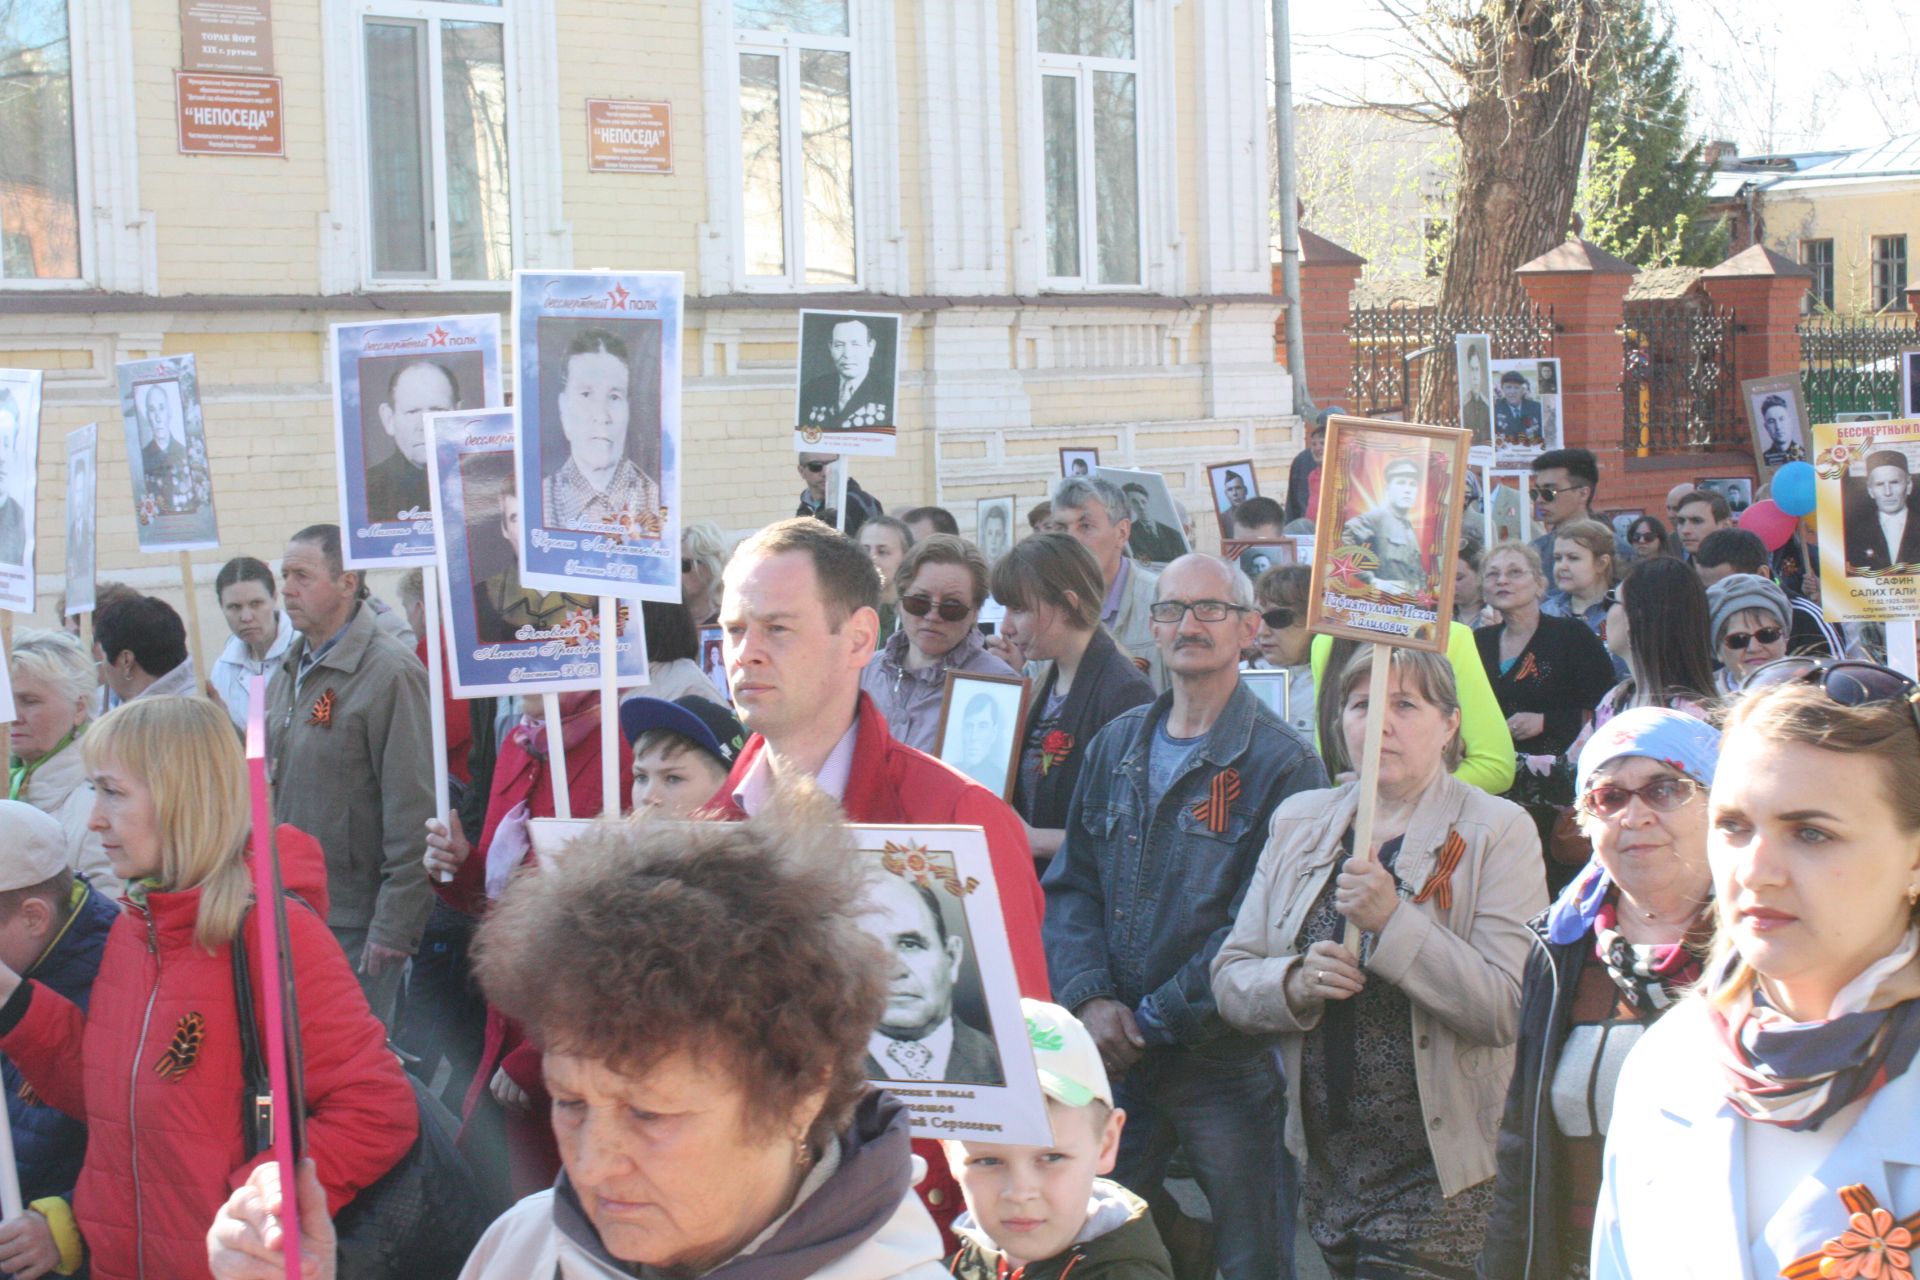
(540,236)
(1162,265)
(879,243)
(116,235)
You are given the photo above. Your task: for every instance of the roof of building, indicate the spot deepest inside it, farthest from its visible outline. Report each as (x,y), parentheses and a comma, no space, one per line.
(1896,158)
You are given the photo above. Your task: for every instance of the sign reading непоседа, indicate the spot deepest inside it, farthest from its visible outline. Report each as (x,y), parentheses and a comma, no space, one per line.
(229,115)
(625,136)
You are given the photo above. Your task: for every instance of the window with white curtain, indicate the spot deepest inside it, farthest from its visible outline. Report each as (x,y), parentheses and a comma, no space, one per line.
(39,173)
(1090,141)
(439,206)
(794,62)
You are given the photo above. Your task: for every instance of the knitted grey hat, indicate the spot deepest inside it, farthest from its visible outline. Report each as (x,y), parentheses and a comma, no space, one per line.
(1738,591)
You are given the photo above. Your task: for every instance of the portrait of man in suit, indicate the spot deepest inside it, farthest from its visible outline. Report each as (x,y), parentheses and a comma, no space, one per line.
(856,393)
(920,1037)
(398,484)
(1881,530)
(1149,539)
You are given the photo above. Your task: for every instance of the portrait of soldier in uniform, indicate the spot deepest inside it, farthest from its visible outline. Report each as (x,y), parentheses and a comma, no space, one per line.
(502,605)
(173,470)
(1389,531)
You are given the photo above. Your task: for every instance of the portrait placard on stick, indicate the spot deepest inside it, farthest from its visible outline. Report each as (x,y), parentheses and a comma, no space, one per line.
(1777,414)
(83,471)
(1078,462)
(1508,511)
(386,378)
(1473,379)
(846,394)
(981,720)
(952,1043)
(19,481)
(507,637)
(1386,530)
(1869,530)
(1255,558)
(167,455)
(1231,484)
(597,388)
(993,527)
(1156,537)
(1910,383)
(1526,409)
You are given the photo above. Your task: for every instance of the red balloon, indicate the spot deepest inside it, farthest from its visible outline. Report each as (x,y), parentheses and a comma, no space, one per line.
(1772,525)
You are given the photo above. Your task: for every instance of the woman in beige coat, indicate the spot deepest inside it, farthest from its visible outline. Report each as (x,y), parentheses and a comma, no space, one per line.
(1397,1061)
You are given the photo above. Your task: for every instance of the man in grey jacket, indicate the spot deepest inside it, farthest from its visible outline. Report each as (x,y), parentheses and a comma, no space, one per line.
(351,755)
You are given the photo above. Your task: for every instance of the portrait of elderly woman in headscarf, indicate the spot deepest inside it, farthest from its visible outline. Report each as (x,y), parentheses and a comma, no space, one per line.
(711,1112)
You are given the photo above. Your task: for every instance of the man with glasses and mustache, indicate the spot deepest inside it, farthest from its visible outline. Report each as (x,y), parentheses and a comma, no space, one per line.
(1564,484)
(814,499)
(1161,841)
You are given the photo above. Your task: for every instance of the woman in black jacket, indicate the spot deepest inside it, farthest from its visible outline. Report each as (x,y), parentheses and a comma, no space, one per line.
(1052,589)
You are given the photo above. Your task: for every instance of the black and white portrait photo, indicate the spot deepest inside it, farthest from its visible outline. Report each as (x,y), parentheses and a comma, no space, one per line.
(396,392)
(167,452)
(1882,529)
(1777,414)
(1156,537)
(1255,558)
(1910,383)
(1737,490)
(847,398)
(83,444)
(1231,484)
(1473,367)
(1078,462)
(599,426)
(980,722)
(934,1027)
(19,436)
(993,527)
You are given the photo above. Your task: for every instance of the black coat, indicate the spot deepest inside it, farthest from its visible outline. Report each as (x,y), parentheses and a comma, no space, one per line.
(1107,684)
(1569,672)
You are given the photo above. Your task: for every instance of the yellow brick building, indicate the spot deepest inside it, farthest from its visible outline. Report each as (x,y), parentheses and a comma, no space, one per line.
(1065,199)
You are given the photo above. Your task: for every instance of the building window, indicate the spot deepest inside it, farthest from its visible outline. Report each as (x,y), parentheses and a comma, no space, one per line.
(39,173)
(794,60)
(1090,141)
(1889,273)
(438,190)
(1817,257)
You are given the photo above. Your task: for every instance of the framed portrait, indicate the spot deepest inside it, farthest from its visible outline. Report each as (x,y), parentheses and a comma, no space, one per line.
(1078,462)
(1863,415)
(713,661)
(1621,521)
(1255,558)
(1473,376)
(1910,383)
(1230,483)
(1737,490)
(1777,417)
(1157,536)
(83,475)
(1508,508)
(846,398)
(993,528)
(981,719)
(167,454)
(952,1043)
(503,636)
(1274,689)
(387,377)
(1526,409)
(597,386)
(1868,528)
(19,485)
(1386,531)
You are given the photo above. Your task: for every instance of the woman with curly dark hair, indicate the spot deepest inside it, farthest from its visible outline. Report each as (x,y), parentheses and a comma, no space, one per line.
(712,1113)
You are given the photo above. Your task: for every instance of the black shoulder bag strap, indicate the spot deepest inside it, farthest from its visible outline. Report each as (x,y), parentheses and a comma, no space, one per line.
(256,1107)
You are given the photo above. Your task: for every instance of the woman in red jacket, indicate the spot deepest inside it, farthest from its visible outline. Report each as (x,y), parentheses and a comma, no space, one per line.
(154,1066)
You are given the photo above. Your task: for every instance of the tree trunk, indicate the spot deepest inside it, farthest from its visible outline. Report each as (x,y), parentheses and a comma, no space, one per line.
(1521,136)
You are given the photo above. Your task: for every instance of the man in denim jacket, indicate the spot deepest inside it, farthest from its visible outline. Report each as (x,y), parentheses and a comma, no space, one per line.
(1162,838)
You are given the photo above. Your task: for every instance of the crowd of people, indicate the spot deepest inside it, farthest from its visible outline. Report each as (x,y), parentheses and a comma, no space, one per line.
(1615,795)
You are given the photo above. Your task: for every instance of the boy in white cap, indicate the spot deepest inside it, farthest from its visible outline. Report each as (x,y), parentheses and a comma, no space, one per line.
(1039,1212)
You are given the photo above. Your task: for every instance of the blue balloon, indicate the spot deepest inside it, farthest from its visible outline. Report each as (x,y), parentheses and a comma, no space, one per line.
(1793,488)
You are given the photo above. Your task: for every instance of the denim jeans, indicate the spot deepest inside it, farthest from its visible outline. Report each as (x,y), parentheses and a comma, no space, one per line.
(1229,1114)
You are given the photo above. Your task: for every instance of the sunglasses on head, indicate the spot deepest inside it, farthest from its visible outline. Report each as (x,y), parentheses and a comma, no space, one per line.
(1739,640)
(1662,795)
(949,610)
(1847,681)
(1548,492)
(1279,619)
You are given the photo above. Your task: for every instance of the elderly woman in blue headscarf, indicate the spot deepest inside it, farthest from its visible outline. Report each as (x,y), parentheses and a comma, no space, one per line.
(1618,947)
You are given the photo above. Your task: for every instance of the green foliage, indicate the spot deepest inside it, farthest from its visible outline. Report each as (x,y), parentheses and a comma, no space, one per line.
(1644,194)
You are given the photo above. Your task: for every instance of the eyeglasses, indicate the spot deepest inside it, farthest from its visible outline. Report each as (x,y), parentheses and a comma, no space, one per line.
(1277,619)
(1548,492)
(1662,795)
(1847,681)
(1203,610)
(1739,640)
(949,610)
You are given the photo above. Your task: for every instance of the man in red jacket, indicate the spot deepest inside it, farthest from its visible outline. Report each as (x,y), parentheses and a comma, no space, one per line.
(801,617)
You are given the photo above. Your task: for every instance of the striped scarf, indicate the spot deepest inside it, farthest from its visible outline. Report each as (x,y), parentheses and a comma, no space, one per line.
(1798,1075)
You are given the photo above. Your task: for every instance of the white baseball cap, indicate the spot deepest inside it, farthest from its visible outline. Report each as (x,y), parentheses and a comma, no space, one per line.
(1063,1050)
(33,849)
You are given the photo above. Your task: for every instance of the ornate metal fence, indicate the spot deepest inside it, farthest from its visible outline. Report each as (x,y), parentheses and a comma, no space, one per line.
(1389,371)
(1850,364)
(1677,378)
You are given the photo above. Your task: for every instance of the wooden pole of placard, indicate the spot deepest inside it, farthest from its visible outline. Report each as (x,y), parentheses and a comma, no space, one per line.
(609,708)
(6,655)
(556,756)
(1370,770)
(192,618)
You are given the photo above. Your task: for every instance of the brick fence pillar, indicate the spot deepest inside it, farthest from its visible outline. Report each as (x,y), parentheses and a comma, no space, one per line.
(1764,289)
(1587,288)
(1328,274)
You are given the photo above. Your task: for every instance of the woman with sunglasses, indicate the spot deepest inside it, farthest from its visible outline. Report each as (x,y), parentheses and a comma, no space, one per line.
(1285,643)
(942,584)
(1647,537)
(1770,1126)
(1053,592)
(1618,948)
(1750,617)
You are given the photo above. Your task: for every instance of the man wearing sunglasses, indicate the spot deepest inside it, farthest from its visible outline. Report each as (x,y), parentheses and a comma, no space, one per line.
(1564,484)
(815,470)
(1095,514)
(1162,837)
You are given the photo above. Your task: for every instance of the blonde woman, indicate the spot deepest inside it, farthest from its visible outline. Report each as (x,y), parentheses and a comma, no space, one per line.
(703,558)
(1771,1125)
(53,694)
(153,1064)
